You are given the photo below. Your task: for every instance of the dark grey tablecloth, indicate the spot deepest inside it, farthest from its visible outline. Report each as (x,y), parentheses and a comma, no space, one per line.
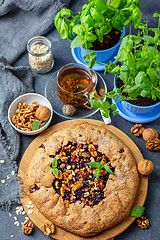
(14,81)
(22,19)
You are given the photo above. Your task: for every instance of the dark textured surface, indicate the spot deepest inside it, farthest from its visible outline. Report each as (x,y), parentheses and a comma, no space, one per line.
(62,54)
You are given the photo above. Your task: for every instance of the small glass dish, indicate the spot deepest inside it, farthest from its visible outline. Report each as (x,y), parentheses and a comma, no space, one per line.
(39,54)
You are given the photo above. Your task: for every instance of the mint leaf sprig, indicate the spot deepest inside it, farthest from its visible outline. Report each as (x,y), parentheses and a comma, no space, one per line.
(137,211)
(35,125)
(104,106)
(98,166)
(139,68)
(54,166)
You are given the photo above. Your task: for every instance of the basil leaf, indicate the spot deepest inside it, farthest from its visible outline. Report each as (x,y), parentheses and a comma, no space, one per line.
(115,3)
(64,30)
(77,29)
(137,211)
(97,173)
(54,163)
(96,14)
(91,37)
(55,171)
(66,12)
(107,168)
(90,59)
(156,15)
(87,21)
(136,17)
(35,125)
(77,42)
(101,5)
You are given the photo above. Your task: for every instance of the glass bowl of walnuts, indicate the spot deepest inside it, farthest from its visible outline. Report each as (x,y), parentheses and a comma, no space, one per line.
(30,113)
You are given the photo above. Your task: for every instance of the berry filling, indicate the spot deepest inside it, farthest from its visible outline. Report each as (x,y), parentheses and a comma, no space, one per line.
(121,150)
(34,188)
(76,179)
(42,146)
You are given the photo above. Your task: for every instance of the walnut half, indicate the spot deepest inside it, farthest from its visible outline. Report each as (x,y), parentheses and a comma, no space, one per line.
(48,228)
(27,227)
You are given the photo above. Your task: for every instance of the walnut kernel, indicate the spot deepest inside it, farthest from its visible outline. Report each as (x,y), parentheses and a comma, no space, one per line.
(142,222)
(149,133)
(48,228)
(137,129)
(145,167)
(27,227)
(153,144)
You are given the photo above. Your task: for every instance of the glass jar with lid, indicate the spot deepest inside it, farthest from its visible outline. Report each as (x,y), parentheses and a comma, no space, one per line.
(39,54)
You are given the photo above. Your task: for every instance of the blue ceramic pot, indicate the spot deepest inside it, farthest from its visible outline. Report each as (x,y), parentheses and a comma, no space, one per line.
(137,109)
(105,55)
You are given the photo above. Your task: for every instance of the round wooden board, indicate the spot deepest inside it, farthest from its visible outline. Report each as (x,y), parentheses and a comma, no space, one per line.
(38,219)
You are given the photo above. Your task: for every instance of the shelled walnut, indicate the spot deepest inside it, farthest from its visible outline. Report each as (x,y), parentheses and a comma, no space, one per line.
(137,129)
(48,228)
(27,227)
(25,115)
(153,144)
(142,222)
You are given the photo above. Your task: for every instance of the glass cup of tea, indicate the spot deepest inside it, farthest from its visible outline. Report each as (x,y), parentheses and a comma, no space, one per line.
(74,84)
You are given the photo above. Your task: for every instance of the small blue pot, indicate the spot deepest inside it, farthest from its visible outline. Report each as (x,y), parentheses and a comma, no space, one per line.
(105,55)
(137,109)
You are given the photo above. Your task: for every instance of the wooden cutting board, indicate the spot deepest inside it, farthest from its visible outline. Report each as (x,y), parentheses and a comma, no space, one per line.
(38,218)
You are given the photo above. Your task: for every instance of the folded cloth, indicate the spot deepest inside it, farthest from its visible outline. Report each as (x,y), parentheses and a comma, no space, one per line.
(14,81)
(21,20)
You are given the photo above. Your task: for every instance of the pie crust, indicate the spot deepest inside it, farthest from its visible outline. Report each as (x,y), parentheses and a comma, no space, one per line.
(79,215)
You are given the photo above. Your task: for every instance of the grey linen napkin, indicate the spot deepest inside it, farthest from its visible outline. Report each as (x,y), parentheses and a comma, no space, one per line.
(14,81)
(21,20)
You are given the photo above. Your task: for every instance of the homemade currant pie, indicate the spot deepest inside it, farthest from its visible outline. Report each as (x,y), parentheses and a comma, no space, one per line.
(83,179)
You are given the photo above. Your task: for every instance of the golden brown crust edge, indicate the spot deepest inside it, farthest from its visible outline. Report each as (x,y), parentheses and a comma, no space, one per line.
(120,190)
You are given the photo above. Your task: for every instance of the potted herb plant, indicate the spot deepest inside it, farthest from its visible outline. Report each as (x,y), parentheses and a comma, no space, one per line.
(137,79)
(98,27)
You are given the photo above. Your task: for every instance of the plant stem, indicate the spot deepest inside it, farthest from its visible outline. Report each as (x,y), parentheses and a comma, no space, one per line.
(149,67)
(86,45)
(125,9)
(156,88)
(130,29)
(101,62)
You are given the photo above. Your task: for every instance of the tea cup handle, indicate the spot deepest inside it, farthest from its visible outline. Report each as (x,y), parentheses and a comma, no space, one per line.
(87,104)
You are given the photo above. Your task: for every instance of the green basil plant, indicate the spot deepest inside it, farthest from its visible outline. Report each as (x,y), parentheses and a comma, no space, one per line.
(139,68)
(96,19)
